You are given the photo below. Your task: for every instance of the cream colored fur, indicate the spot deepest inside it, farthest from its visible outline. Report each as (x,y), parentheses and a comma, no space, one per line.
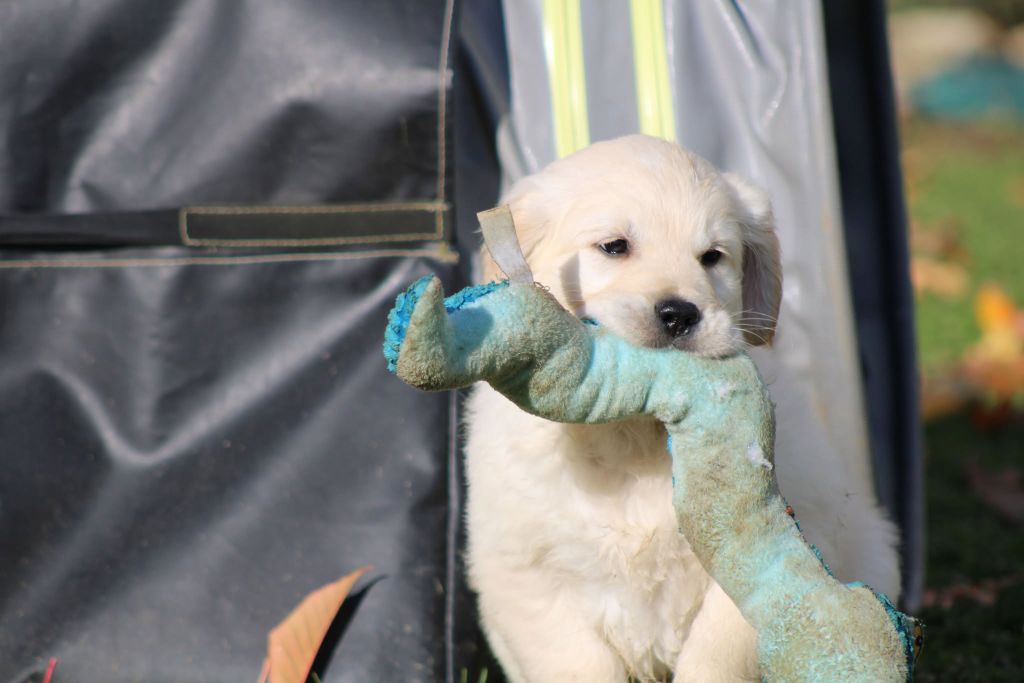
(573,546)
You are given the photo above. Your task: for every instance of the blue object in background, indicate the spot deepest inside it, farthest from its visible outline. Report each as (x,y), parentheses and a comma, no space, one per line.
(980,87)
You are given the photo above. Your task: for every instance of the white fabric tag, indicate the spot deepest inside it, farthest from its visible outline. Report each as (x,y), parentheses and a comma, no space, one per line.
(500,237)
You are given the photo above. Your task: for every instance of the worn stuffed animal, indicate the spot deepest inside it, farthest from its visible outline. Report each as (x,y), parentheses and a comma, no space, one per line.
(720,422)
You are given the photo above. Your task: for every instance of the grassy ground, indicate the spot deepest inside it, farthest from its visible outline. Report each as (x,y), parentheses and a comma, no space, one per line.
(966,198)
(965,190)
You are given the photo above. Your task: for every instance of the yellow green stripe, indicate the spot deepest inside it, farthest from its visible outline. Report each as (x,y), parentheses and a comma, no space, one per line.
(563,49)
(655,108)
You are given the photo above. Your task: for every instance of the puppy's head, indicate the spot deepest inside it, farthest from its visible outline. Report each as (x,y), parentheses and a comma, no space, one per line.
(654,243)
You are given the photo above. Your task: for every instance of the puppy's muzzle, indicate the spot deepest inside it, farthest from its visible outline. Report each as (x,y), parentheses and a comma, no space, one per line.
(677,317)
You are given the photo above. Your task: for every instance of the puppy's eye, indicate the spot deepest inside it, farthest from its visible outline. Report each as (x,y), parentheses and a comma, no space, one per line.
(615,247)
(710,257)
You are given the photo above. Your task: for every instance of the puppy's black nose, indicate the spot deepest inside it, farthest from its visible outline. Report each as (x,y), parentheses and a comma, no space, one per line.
(678,317)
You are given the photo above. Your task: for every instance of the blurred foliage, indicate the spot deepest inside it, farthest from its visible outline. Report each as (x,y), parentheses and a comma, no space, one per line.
(1004,12)
(965,195)
(965,191)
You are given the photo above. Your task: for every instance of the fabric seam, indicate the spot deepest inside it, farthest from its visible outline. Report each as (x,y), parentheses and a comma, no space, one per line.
(442,255)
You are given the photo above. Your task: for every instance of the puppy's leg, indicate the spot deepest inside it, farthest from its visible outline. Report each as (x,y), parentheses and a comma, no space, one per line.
(721,646)
(539,637)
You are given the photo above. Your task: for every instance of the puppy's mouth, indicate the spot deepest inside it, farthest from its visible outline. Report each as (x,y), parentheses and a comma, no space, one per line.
(691,342)
(685,343)
(650,338)
(652,335)
(708,346)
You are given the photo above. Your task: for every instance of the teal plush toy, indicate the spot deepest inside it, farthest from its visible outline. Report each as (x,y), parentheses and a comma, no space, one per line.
(720,421)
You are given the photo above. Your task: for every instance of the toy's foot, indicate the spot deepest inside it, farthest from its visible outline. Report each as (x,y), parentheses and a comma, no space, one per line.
(420,342)
(401,315)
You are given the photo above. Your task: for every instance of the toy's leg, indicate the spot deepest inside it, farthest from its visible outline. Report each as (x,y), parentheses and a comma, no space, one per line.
(721,646)
(539,638)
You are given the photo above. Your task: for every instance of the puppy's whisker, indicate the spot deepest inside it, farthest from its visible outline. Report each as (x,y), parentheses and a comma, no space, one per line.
(750,311)
(745,329)
(755,332)
(757,321)
(752,325)
(754,315)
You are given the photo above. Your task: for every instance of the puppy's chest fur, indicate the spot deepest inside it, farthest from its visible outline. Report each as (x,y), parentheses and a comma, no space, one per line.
(586,510)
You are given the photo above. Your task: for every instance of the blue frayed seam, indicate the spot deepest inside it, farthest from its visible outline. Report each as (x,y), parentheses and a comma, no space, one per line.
(468,295)
(398,320)
(903,624)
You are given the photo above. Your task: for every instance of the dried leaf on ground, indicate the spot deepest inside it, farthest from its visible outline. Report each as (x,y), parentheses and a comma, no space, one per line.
(983,592)
(938,240)
(990,374)
(1015,186)
(988,415)
(995,364)
(1001,490)
(995,309)
(294,643)
(944,279)
(995,382)
(943,395)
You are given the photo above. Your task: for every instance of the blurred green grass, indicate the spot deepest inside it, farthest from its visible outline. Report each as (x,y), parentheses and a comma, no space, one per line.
(966,181)
(965,185)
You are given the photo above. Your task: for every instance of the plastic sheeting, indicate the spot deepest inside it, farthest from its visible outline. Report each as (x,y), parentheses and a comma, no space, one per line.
(206,210)
(191,445)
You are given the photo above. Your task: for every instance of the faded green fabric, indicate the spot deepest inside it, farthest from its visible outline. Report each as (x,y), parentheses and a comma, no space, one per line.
(721,433)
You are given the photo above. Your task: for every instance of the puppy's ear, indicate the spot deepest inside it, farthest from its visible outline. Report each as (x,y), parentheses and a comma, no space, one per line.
(527,204)
(762,267)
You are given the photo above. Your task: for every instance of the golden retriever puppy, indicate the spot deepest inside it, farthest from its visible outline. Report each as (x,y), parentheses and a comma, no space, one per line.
(574,551)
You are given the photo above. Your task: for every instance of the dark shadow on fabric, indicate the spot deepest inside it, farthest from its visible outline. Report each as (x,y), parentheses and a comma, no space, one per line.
(338,627)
